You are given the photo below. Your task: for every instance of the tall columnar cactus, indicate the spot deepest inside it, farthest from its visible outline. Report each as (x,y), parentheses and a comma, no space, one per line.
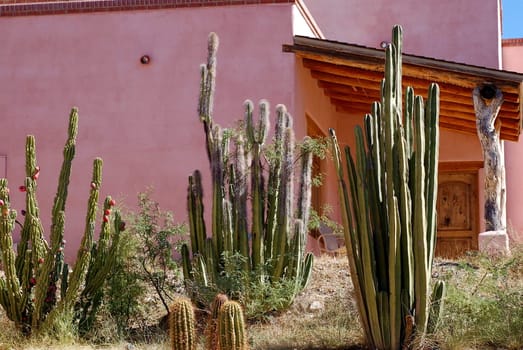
(12,297)
(102,259)
(249,173)
(389,208)
(231,327)
(181,325)
(33,275)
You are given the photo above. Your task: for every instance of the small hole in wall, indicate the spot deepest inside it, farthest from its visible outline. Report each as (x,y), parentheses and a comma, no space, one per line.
(145,59)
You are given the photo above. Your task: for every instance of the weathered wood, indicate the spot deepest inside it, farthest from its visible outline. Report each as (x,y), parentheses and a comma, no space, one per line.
(487,103)
(462,167)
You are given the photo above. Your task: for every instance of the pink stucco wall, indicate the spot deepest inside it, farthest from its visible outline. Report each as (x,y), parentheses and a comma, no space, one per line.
(513,61)
(513,56)
(141,119)
(461,31)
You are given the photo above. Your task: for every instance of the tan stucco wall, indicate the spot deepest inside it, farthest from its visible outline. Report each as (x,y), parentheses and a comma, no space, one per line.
(454,147)
(432,28)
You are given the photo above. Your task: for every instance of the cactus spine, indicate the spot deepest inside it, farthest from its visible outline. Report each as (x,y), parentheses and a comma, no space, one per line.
(278,225)
(28,293)
(231,327)
(181,325)
(211,328)
(390,206)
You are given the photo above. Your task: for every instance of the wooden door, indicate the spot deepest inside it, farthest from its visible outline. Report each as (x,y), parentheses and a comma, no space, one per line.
(457,209)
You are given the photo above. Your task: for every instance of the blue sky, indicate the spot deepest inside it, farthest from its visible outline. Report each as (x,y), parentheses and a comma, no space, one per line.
(512,18)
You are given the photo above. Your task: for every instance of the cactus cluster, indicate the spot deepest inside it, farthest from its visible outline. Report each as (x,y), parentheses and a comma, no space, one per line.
(37,286)
(225,329)
(248,173)
(389,210)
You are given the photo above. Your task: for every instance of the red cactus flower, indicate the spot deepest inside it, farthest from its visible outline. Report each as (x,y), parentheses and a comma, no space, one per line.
(36,175)
(106,218)
(41,260)
(93,186)
(1,202)
(112,202)
(22,188)
(107,212)
(32,281)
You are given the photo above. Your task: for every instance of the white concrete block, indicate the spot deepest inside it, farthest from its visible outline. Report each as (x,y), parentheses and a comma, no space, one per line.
(494,242)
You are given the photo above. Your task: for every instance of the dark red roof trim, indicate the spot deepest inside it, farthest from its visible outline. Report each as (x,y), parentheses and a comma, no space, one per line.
(512,42)
(10,8)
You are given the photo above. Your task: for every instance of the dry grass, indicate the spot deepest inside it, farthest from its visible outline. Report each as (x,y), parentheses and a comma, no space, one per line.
(484,303)
(333,326)
(484,310)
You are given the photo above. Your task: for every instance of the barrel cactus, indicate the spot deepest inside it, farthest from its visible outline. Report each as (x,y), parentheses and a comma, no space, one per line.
(211,328)
(248,173)
(231,327)
(389,209)
(182,325)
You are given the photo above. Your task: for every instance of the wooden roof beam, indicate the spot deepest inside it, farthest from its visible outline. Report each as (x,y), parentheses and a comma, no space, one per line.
(420,88)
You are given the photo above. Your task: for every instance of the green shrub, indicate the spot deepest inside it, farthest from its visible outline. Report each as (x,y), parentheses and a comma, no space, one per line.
(158,237)
(126,287)
(144,276)
(484,303)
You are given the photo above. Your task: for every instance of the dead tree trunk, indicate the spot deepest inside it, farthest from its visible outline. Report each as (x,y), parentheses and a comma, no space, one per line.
(487,103)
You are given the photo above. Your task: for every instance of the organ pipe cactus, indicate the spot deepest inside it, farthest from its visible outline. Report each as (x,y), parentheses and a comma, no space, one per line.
(231,327)
(248,173)
(389,208)
(35,273)
(181,325)
(102,259)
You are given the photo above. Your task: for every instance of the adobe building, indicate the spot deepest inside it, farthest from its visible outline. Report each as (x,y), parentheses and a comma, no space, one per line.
(132,68)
